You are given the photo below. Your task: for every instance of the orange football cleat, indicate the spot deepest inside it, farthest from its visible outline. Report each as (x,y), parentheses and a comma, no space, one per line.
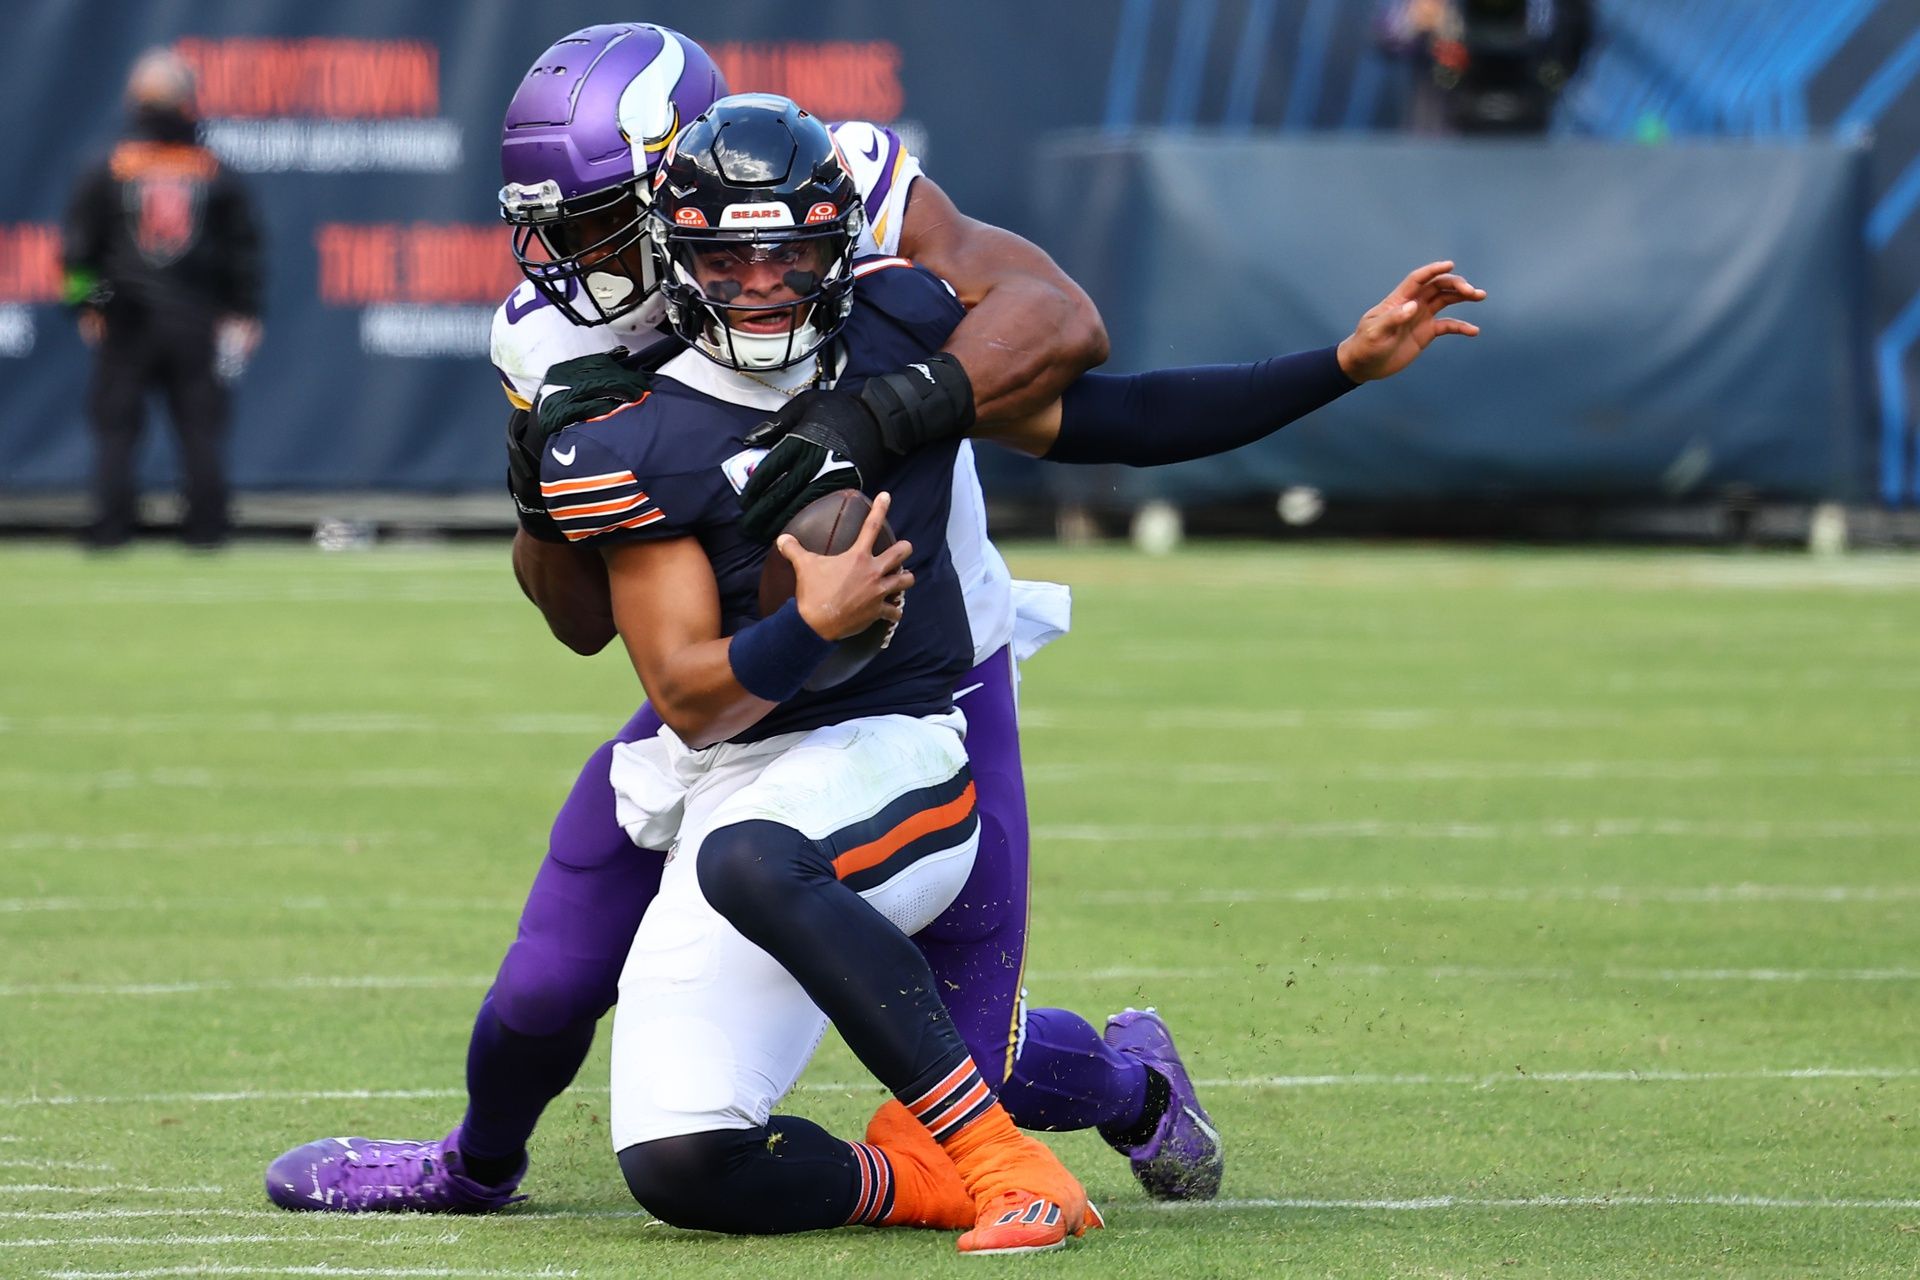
(1024,1199)
(1021,1222)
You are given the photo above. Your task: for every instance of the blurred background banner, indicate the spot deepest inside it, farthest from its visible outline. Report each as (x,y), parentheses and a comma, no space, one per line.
(1673,313)
(1706,300)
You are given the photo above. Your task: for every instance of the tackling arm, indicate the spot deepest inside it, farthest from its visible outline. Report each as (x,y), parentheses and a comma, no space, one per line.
(1029,329)
(1175,415)
(568,584)
(1143,420)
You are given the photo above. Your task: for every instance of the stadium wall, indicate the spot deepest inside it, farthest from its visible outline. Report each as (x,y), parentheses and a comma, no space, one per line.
(1666,323)
(367,130)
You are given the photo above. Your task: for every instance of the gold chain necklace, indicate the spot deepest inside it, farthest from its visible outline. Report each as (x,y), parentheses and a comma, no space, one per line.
(808,385)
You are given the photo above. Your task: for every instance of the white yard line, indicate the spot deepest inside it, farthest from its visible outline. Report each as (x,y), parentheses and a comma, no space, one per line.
(1191,772)
(377,1221)
(263,594)
(1219,719)
(94,1242)
(1122,973)
(1428,1203)
(1227,773)
(238,1095)
(1106,833)
(1618,895)
(334,722)
(1411,1204)
(117,1188)
(1449,972)
(1211,719)
(149,906)
(132,841)
(200,779)
(1498,1079)
(1354,1080)
(87,1166)
(1442,973)
(1623,895)
(178,1240)
(368,982)
(322,1269)
(1550,828)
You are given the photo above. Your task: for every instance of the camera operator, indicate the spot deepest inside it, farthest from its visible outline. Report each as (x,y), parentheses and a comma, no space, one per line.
(1487,66)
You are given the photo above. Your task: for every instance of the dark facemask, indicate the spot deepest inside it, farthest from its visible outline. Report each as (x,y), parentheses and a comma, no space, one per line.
(163,123)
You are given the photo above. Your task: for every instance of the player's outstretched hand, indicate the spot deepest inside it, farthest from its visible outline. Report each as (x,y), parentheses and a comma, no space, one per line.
(1392,334)
(818,443)
(843,595)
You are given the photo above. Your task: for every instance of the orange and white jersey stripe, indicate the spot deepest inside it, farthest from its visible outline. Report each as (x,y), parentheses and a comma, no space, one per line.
(872,265)
(587,505)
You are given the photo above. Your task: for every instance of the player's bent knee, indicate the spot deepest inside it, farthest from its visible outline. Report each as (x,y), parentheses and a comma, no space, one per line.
(541,995)
(750,870)
(682,1180)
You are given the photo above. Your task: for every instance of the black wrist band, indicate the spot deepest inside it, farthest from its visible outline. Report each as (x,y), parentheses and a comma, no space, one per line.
(927,401)
(532,512)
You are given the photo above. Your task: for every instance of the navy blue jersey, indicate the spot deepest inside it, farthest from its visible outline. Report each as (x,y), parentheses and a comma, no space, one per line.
(672,464)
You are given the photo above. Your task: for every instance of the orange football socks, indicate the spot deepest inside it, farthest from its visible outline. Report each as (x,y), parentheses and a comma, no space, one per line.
(927,1190)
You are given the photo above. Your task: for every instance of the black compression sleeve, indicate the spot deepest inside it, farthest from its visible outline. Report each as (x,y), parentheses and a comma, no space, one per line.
(1176,415)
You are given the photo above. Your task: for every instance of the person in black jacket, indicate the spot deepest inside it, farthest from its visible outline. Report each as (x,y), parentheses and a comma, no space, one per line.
(162,260)
(1486,66)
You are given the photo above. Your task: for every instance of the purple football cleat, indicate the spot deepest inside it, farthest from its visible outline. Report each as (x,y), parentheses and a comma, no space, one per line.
(1182,1159)
(378,1175)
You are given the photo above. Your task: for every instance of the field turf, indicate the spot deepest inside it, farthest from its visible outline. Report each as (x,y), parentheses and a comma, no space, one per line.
(1523,913)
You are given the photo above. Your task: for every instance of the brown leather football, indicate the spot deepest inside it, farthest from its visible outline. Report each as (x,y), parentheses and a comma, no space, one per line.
(827,526)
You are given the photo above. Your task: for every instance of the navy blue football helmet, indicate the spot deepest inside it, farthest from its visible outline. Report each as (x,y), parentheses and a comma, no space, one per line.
(755,220)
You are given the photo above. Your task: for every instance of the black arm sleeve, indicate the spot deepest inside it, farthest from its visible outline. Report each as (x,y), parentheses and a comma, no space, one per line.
(1177,415)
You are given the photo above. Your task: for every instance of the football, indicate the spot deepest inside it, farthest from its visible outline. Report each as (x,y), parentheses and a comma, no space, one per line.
(827,526)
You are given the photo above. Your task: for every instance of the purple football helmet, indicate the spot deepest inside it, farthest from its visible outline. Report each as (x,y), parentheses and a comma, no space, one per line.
(590,122)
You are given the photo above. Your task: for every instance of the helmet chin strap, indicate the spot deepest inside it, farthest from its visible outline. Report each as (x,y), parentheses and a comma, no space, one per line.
(765,350)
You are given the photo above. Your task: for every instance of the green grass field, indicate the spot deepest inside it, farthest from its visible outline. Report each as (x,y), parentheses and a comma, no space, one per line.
(1533,913)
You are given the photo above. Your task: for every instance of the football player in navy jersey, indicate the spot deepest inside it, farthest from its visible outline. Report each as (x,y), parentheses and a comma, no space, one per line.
(812,830)
(1028,331)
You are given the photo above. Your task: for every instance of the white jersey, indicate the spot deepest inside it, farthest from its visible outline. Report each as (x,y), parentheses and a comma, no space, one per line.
(530,335)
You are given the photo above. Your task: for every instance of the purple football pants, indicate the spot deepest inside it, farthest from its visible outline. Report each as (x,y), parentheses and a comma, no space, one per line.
(563,970)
